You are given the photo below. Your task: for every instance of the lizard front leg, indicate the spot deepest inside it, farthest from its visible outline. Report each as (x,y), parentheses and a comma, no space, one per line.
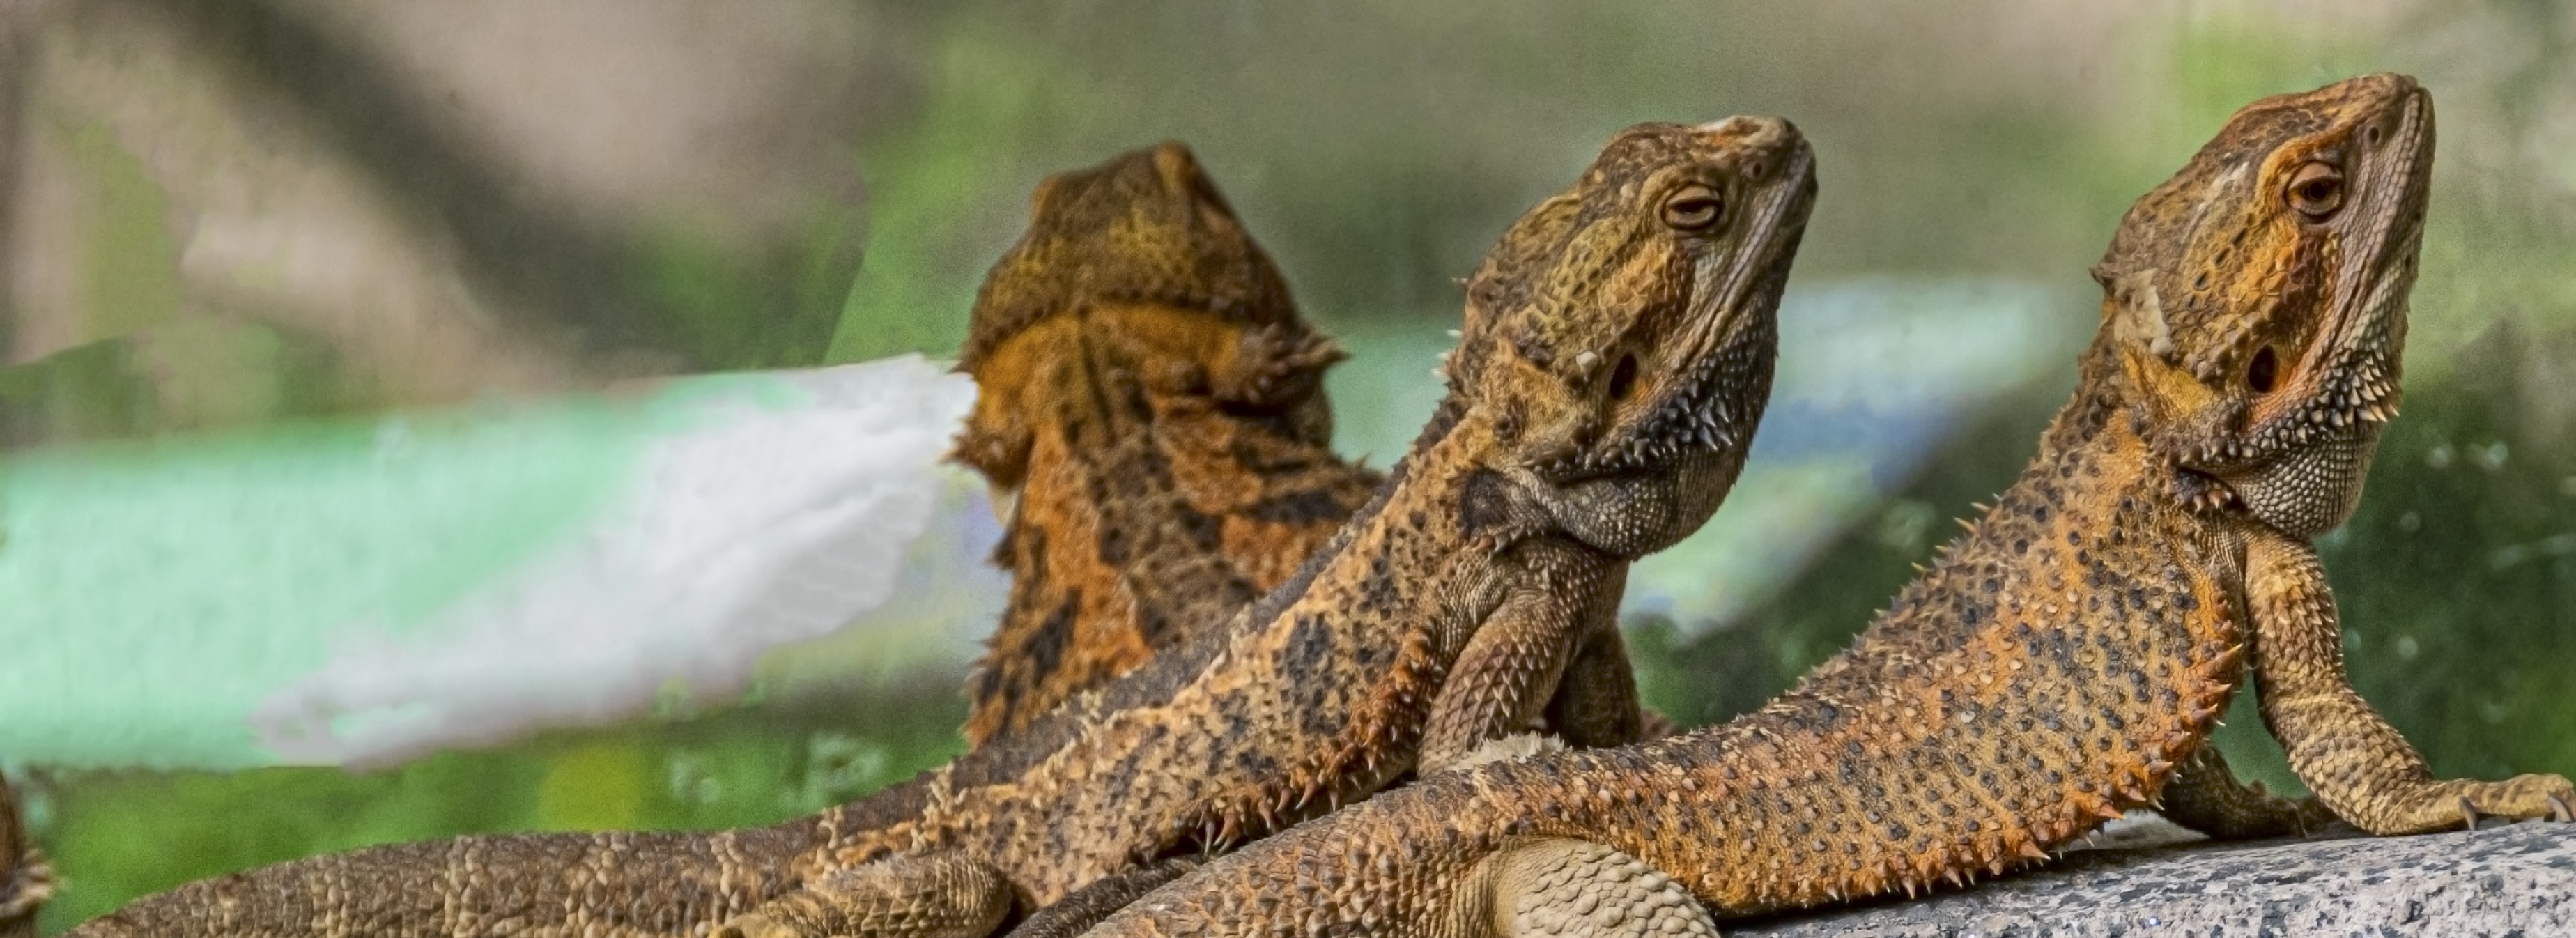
(2355,762)
(2205,796)
(1563,888)
(1596,702)
(940,895)
(1511,666)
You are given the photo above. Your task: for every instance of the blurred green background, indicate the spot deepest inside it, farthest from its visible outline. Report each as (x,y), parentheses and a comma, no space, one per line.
(217,217)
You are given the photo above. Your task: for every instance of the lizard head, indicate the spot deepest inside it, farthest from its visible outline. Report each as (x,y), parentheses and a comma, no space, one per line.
(1619,341)
(1146,230)
(2257,300)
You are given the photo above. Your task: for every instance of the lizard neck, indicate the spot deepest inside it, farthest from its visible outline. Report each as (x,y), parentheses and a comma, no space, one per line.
(2046,673)
(1109,559)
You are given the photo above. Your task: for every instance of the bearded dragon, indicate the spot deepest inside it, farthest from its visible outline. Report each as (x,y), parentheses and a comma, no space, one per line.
(1617,352)
(2063,660)
(1152,422)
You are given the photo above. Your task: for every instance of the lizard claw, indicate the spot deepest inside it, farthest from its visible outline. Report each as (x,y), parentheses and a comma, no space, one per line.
(24,890)
(2469,812)
(2558,810)
(1283,365)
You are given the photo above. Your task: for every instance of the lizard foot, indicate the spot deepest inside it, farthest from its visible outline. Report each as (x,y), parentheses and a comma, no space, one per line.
(2558,810)
(27,888)
(2204,795)
(933,896)
(2462,804)
(1562,888)
(1278,366)
(2522,797)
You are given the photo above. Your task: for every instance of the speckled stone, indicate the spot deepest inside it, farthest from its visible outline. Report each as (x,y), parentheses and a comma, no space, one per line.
(2516,880)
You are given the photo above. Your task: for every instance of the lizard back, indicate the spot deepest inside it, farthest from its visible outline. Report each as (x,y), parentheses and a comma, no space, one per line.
(1153,425)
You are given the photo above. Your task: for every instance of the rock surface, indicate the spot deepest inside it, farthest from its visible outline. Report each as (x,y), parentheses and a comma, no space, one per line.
(2511,880)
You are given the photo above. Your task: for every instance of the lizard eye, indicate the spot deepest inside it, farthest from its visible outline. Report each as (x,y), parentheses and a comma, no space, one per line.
(1694,209)
(2316,190)
(2263,371)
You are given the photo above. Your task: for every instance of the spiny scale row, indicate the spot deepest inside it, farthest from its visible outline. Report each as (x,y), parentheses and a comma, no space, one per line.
(1702,415)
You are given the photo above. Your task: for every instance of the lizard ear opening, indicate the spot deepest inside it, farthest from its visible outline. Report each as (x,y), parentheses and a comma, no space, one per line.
(2264,371)
(1623,377)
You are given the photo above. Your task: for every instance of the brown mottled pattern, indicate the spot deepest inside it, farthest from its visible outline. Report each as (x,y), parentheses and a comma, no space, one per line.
(2063,660)
(1533,486)
(1152,414)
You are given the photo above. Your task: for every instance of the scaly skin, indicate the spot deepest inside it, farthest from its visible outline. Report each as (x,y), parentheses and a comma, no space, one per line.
(1618,351)
(26,881)
(1152,421)
(1149,412)
(2062,661)
(1152,413)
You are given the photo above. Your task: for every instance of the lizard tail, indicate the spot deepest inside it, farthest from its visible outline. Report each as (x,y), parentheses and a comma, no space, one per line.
(25,879)
(661,885)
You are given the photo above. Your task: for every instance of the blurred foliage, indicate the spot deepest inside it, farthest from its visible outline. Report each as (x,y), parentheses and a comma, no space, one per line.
(726,311)
(87,392)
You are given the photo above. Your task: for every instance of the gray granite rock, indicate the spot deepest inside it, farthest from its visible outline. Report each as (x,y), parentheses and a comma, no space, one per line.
(2517,880)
